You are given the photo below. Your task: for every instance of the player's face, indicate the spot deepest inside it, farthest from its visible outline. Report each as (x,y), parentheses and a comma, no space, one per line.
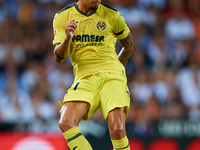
(93,4)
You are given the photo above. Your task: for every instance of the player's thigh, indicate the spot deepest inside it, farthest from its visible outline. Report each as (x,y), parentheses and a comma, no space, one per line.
(74,110)
(114,94)
(83,90)
(72,113)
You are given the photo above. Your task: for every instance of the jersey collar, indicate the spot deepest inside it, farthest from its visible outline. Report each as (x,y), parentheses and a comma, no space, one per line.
(87,15)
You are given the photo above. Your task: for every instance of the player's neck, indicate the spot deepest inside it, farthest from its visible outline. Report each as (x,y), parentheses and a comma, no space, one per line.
(85,9)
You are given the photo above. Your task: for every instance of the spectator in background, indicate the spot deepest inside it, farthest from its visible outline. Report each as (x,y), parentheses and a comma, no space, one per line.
(133,14)
(157,51)
(174,106)
(153,113)
(139,61)
(60,80)
(179,26)
(194,13)
(140,87)
(138,120)
(157,3)
(188,82)
(161,86)
(3,12)
(15,103)
(153,109)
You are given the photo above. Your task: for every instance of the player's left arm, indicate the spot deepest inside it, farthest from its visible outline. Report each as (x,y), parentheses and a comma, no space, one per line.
(122,32)
(127,49)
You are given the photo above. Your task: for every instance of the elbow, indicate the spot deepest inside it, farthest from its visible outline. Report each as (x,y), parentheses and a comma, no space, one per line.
(57,59)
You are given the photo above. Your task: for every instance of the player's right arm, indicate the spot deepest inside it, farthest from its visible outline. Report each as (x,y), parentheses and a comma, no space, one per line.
(62,49)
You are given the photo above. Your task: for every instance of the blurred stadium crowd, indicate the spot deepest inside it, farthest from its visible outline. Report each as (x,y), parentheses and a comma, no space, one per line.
(163,72)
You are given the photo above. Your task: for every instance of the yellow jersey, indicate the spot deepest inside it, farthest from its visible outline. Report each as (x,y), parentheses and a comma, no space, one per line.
(94,40)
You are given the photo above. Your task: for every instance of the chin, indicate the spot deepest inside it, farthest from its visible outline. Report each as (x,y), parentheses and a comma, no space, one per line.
(94,8)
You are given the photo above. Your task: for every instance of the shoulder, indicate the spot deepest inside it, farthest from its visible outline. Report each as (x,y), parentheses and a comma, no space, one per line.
(66,8)
(108,11)
(108,7)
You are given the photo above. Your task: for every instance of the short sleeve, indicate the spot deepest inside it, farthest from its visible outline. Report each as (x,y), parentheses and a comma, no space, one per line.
(59,29)
(120,29)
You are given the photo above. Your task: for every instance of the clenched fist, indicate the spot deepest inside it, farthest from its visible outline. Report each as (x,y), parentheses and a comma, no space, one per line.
(70,28)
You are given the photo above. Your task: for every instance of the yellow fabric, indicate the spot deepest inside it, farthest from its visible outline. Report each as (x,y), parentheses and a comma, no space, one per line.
(104,90)
(121,144)
(94,40)
(71,133)
(76,142)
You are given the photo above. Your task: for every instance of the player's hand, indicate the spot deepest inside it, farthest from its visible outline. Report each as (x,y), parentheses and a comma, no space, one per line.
(70,28)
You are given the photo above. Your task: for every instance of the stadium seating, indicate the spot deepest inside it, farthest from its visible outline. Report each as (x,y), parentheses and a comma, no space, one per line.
(194,145)
(136,144)
(164,144)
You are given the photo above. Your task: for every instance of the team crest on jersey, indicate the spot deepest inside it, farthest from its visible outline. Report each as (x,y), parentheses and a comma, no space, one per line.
(101,25)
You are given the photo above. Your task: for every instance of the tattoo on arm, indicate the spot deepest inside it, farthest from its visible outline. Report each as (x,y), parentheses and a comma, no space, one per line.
(127,49)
